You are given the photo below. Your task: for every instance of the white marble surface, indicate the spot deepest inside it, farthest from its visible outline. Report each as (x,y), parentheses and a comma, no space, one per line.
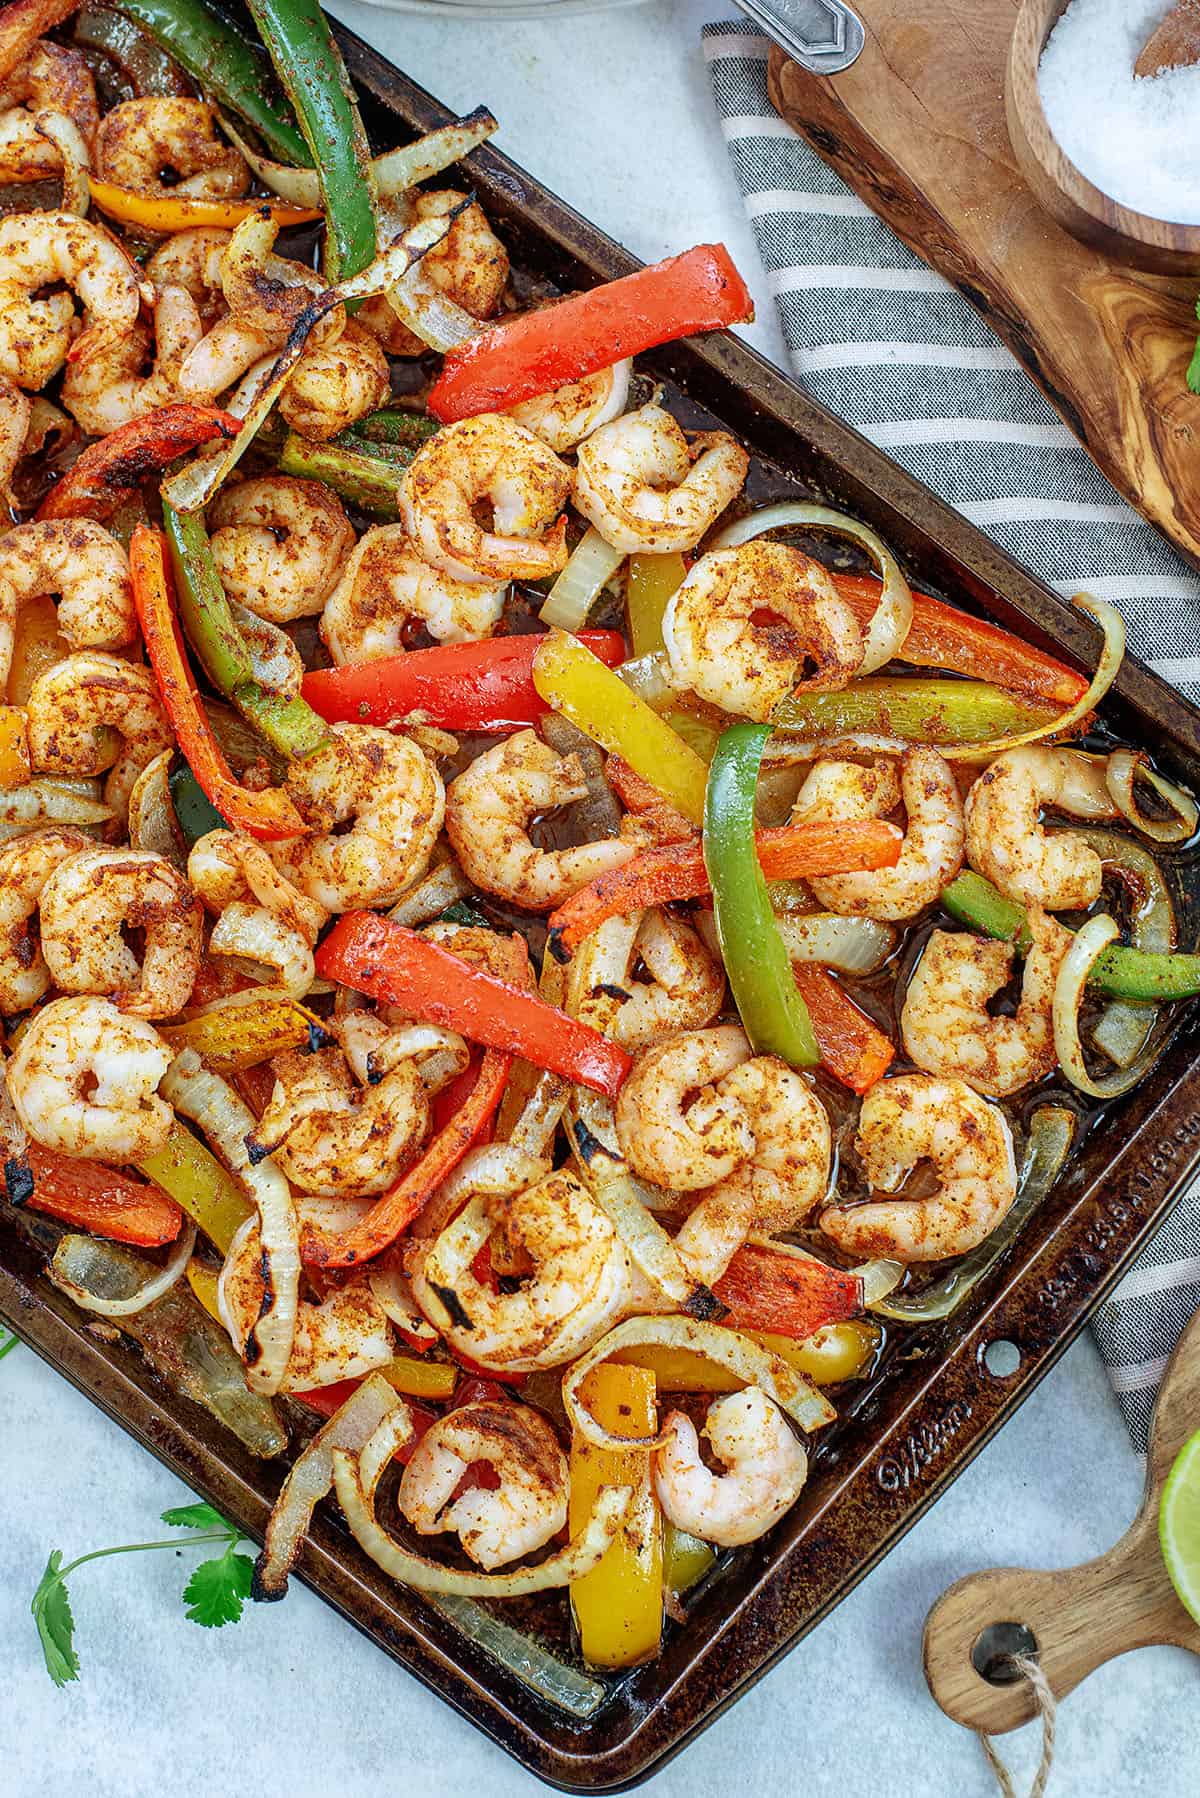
(614,113)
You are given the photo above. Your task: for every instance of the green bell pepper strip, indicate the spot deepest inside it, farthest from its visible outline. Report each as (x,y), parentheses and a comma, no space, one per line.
(194,810)
(1120,973)
(309,64)
(359,475)
(289,724)
(774,1015)
(390,426)
(915,710)
(227,65)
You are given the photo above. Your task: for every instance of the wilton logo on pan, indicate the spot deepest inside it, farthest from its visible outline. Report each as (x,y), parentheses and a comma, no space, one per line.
(920,1450)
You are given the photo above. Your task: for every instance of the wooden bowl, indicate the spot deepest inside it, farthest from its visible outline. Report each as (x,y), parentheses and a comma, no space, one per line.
(1065,193)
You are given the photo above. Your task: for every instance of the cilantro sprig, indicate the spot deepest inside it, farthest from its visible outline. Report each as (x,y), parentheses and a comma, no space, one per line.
(1193,373)
(213,1596)
(7,1343)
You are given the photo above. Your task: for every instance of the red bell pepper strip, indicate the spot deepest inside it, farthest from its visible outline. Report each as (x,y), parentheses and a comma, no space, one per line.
(109,472)
(405,1200)
(270,815)
(535,352)
(484,686)
(100,1199)
(671,871)
(387,962)
(940,636)
(785,1293)
(852,1048)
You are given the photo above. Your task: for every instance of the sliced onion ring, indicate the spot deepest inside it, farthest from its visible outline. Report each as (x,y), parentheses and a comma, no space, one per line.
(69,1271)
(430,896)
(64,134)
(852,945)
(393,1294)
(1125,767)
(395,171)
(589,568)
(1089,944)
(893,616)
(650,677)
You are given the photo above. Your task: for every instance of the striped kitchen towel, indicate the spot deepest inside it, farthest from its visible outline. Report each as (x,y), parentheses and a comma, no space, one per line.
(891,347)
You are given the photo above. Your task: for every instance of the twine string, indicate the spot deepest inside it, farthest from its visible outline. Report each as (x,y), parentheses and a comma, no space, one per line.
(1047,1709)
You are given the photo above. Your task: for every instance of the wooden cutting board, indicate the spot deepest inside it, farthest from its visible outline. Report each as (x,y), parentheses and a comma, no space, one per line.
(916,127)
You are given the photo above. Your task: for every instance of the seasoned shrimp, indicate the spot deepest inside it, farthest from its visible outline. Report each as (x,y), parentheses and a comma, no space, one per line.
(566,416)
(1005,838)
(192,260)
(335,382)
(261,915)
(385,587)
(26,863)
(469,265)
(744,624)
(487,461)
(932,852)
(945,1023)
(374,1042)
(16,410)
(489,808)
(686,983)
(766,1466)
(84,1081)
(84,566)
(390,794)
(53,250)
(105,386)
(93,712)
(334,1138)
(580,1270)
(522,1512)
(279,545)
(168,146)
(919,1117)
(52,78)
(91,899)
(647,489)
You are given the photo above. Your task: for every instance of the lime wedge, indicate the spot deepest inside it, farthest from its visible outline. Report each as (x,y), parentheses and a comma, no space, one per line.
(1179,1525)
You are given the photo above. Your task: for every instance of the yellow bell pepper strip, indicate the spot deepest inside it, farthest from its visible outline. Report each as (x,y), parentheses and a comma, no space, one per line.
(200,1185)
(243,1030)
(15,766)
(421,1378)
(652,583)
(269,816)
(833,1353)
(773,1014)
(618,1606)
(166,213)
(203,1282)
(915,711)
(686,1560)
(37,645)
(576,683)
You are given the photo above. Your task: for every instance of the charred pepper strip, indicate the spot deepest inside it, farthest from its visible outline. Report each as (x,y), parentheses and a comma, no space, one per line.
(101,1199)
(110,472)
(356,471)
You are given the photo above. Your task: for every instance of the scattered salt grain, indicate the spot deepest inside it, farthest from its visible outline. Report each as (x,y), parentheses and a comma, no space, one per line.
(1137,138)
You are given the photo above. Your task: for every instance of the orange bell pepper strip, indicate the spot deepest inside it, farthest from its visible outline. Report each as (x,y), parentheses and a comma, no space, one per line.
(786,1294)
(537,351)
(96,1198)
(269,816)
(15,765)
(639,796)
(109,472)
(183,212)
(852,1048)
(940,636)
(671,871)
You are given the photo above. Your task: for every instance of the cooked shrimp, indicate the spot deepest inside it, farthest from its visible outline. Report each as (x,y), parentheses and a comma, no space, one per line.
(168,146)
(766,1466)
(53,78)
(684,988)
(932,851)
(390,794)
(526,1508)
(566,416)
(261,915)
(52,250)
(914,1118)
(490,806)
(266,295)
(1005,838)
(192,260)
(744,624)
(279,545)
(335,382)
(105,386)
(374,1042)
(334,1138)
(385,587)
(16,411)
(469,265)
(580,1270)
(40,146)
(487,461)
(87,904)
(26,863)
(84,566)
(646,488)
(93,712)
(945,1023)
(84,1080)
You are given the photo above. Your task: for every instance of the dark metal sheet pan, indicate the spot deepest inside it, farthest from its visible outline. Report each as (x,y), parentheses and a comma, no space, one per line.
(934,1405)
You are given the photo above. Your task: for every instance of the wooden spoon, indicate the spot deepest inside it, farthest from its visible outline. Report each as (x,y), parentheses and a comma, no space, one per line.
(1175,44)
(1073,1620)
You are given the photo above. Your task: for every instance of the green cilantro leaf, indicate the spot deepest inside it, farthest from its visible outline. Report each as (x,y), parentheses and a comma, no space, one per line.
(198,1517)
(215,1592)
(1193,373)
(55,1625)
(7,1344)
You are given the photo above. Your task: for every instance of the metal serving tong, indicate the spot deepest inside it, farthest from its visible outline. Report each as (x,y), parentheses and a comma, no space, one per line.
(824,36)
